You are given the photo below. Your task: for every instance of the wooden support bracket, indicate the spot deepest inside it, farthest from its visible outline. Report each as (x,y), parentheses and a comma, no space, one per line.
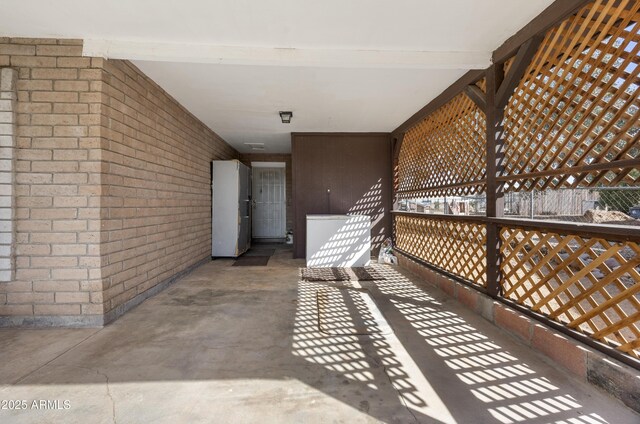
(477,95)
(517,69)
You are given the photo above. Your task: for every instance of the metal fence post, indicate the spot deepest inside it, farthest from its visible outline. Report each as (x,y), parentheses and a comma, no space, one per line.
(531,199)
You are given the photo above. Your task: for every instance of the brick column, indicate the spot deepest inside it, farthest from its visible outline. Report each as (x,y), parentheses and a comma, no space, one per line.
(8,100)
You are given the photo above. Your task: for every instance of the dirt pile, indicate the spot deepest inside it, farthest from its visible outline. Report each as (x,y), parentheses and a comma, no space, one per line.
(609,217)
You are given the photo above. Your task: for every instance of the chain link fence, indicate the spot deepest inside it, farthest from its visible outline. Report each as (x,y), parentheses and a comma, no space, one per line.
(605,205)
(452,205)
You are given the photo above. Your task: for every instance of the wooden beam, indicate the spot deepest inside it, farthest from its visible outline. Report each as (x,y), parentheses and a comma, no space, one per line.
(549,17)
(587,230)
(478,219)
(618,164)
(516,70)
(610,232)
(453,90)
(272,56)
(474,93)
(495,191)
(495,147)
(446,186)
(397,138)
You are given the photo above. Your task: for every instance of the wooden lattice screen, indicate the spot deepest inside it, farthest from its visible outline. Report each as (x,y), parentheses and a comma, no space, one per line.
(574,118)
(588,284)
(444,154)
(457,247)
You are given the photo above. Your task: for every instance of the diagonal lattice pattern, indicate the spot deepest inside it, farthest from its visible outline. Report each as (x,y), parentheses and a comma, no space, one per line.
(588,284)
(572,122)
(445,153)
(578,105)
(455,246)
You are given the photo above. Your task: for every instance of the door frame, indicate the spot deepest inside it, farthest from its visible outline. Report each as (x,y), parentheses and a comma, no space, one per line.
(282,165)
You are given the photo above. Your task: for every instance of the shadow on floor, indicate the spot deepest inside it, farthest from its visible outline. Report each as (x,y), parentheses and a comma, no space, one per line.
(247,345)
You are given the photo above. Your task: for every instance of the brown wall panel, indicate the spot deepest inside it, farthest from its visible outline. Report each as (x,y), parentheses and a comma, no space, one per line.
(339,174)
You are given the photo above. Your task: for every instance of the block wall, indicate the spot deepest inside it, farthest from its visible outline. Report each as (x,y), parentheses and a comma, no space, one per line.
(8,129)
(57,184)
(111,194)
(156,211)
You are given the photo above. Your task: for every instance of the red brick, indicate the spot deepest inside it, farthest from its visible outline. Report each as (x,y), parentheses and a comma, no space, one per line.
(512,321)
(468,297)
(447,286)
(560,349)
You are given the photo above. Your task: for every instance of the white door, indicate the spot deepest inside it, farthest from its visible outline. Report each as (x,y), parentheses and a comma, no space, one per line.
(269,207)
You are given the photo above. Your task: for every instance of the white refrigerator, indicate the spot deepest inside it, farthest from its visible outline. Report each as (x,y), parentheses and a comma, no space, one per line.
(231,208)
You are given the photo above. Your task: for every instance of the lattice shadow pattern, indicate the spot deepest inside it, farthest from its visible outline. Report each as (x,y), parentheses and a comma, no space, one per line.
(455,246)
(588,284)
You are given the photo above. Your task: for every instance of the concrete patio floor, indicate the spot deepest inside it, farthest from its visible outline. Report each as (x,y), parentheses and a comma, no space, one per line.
(242,344)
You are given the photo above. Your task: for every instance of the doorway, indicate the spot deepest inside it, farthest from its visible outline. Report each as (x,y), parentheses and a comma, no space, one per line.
(269,200)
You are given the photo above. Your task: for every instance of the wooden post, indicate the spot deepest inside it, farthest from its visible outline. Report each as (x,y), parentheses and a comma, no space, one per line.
(495,191)
(499,89)
(396,144)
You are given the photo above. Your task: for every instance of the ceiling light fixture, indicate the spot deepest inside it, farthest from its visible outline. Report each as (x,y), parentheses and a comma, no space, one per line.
(286,116)
(255,146)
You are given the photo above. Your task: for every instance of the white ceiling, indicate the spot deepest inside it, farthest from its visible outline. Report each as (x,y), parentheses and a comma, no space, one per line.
(241,103)
(339,65)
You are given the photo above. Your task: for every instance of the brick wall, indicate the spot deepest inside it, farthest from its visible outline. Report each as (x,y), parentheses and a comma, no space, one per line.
(111,185)
(247,158)
(57,182)
(157,195)
(8,128)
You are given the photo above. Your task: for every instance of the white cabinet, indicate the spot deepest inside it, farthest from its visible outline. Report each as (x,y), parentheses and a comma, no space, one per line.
(231,208)
(338,241)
